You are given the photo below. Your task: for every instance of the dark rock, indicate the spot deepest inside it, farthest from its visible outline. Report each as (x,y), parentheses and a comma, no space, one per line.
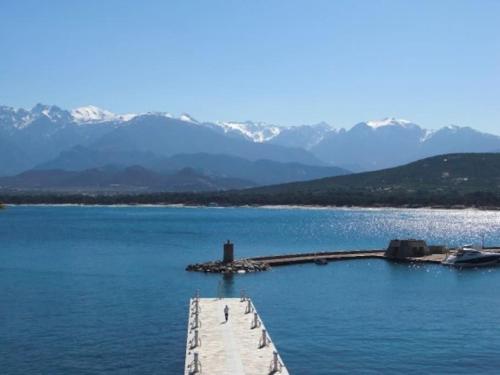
(228,268)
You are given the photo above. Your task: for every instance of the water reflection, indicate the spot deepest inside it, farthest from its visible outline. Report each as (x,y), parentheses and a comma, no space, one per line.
(226,286)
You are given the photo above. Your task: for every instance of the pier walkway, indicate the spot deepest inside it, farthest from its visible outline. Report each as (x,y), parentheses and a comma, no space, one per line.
(330,256)
(283,260)
(239,346)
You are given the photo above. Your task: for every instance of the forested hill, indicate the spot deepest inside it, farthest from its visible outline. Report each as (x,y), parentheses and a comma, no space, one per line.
(452,172)
(471,180)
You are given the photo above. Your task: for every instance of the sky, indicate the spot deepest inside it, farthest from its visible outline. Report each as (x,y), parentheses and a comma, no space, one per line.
(284,62)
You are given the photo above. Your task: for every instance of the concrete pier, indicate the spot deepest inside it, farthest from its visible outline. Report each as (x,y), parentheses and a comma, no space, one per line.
(288,259)
(241,345)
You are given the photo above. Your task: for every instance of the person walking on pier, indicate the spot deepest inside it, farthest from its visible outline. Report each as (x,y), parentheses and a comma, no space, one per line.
(226,312)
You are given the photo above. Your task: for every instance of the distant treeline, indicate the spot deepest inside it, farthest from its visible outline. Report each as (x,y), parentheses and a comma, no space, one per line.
(468,180)
(241,198)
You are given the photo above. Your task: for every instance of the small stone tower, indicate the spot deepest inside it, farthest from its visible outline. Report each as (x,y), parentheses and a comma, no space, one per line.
(228,252)
(409,248)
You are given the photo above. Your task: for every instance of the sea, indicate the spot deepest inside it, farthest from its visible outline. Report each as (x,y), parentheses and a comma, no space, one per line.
(103,290)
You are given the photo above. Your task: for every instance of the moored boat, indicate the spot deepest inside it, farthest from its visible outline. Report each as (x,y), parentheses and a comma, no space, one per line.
(468,256)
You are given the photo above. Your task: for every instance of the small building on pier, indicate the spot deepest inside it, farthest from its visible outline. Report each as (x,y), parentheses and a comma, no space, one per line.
(409,248)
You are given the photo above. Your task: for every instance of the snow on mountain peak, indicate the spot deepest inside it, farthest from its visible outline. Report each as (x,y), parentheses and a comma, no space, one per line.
(92,113)
(254,131)
(187,118)
(388,121)
(428,134)
(52,112)
(15,118)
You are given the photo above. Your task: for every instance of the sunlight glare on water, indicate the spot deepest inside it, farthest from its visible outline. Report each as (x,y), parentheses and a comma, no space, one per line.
(104,290)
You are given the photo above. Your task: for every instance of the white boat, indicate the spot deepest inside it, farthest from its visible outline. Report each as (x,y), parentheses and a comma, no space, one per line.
(468,256)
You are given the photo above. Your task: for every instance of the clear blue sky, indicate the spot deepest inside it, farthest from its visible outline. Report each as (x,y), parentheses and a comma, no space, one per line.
(286,62)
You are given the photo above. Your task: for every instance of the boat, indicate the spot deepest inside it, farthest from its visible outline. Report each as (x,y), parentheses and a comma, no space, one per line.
(468,256)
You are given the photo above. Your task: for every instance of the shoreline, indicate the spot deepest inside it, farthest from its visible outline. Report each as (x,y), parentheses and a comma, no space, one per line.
(252,206)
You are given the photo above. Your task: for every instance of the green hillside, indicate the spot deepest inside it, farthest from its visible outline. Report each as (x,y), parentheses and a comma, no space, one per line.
(467,179)
(460,172)
(471,180)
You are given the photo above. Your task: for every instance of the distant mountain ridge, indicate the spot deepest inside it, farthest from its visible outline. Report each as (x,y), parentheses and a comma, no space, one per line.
(371,145)
(134,179)
(37,136)
(394,142)
(168,136)
(260,172)
(33,137)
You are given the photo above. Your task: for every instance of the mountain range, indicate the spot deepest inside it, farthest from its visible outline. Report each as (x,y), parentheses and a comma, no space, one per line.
(260,172)
(48,137)
(85,170)
(37,136)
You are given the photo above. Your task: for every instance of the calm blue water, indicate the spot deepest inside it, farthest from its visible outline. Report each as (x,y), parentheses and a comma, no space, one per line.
(93,290)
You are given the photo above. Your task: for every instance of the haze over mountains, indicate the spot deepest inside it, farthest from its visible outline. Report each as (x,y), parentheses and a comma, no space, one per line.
(51,138)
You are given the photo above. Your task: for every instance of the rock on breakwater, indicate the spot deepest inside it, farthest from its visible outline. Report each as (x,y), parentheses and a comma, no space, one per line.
(237,266)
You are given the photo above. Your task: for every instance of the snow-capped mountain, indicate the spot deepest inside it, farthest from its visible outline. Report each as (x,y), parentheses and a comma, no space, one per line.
(302,136)
(254,131)
(188,118)
(371,145)
(453,139)
(389,142)
(13,118)
(32,137)
(389,121)
(19,118)
(92,113)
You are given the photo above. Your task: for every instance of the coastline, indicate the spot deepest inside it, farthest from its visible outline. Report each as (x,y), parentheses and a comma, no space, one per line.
(255,206)
(480,200)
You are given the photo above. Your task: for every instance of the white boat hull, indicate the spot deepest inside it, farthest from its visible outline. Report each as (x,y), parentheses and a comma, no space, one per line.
(472,259)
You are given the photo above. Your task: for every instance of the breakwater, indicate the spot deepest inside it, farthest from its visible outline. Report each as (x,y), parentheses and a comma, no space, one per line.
(263,263)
